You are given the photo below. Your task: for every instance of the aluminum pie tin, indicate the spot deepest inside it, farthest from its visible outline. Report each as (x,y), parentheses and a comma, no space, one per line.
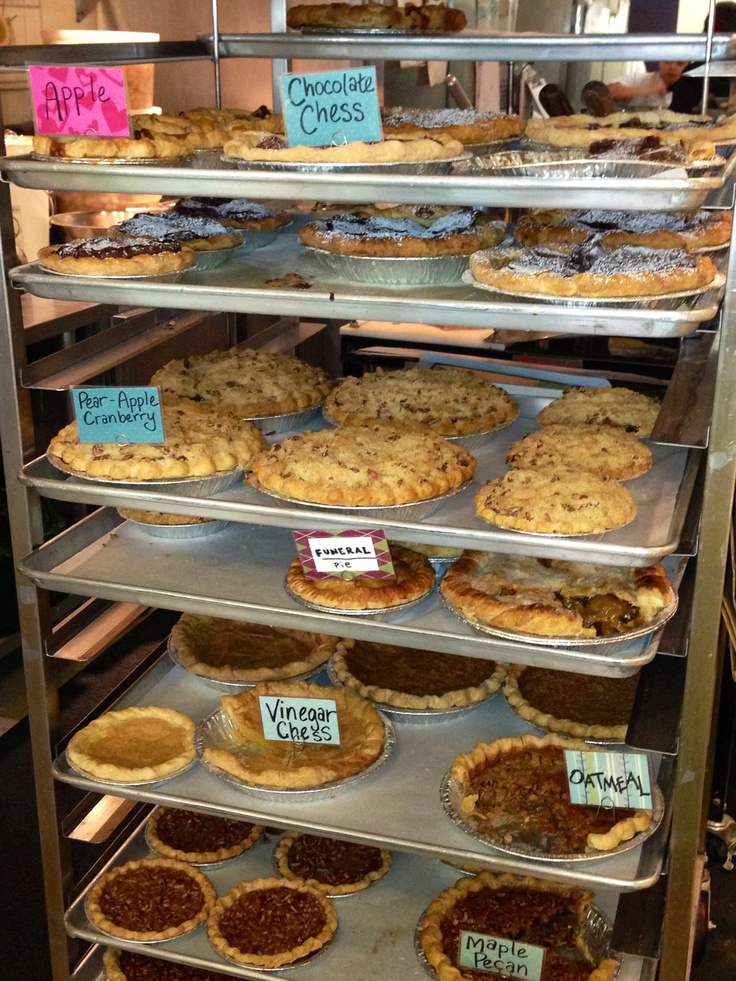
(216,731)
(197,529)
(577,154)
(192,486)
(614,745)
(117,161)
(207,158)
(441,165)
(169,276)
(451,796)
(384,613)
(285,422)
(128,783)
(303,961)
(212,258)
(253,238)
(574,164)
(436,270)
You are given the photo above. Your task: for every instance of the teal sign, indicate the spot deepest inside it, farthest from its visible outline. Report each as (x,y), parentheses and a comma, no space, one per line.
(118,415)
(325,108)
(498,955)
(300,720)
(609,779)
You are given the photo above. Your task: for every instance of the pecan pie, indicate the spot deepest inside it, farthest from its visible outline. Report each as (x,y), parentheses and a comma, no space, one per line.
(150,899)
(620,407)
(197,232)
(125,965)
(467,125)
(425,17)
(271,922)
(105,256)
(197,838)
(517,788)
(527,910)
(336,868)
(256,146)
(599,449)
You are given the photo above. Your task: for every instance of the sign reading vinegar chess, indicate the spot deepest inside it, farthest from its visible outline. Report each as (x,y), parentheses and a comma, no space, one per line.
(498,955)
(79,101)
(326,108)
(345,554)
(300,720)
(609,779)
(118,415)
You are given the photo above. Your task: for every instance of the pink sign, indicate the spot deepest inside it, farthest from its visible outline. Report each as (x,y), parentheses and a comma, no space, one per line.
(79,101)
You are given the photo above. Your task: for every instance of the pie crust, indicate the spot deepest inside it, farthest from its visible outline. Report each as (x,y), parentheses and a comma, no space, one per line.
(451,402)
(134,745)
(528,910)
(256,146)
(555,598)
(413,578)
(127,965)
(333,867)
(146,890)
(237,213)
(466,125)
(366,466)
(430,17)
(208,837)
(292,765)
(403,677)
(284,913)
(599,449)
(157,518)
(105,256)
(621,407)
(207,118)
(533,794)
(202,234)
(231,650)
(118,148)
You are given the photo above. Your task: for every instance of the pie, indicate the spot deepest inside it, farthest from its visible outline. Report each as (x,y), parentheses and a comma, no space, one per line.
(466,125)
(423,214)
(134,745)
(200,233)
(403,677)
(336,868)
(238,213)
(436,551)
(125,965)
(652,148)
(451,402)
(578,705)
(156,518)
(362,466)
(429,17)
(271,922)
(555,502)
(293,765)
(459,233)
(150,899)
(243,380)
(197,838)
(113,147)
(413,579)
(231,650)
(200,440)
(526,910)
(269,147)
(105,256)
(214,118)
(599,449)
(619,407)
(518,788)
(556,598)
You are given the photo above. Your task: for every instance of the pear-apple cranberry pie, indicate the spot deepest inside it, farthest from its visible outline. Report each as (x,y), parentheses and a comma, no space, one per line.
(197,838)
(128,965)
(604,450)
(123,256)
(275,149)
(556,598)
(336,868)
(466,125)
(617,407)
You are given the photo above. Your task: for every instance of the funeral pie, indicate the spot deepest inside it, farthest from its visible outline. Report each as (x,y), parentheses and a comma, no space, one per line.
(150,899)
(579,705)
(134,745)
(333,867)
(298,763)
(198,838)
(527,910)
(556,598)
(466,125)
(232,650)
(243,380)
(403,677)
(451,402)
(604,450)
(246,215)
(113,147)
(122,256)
(618,407)
(410,17)
(269,923)
(197,232)
(272,148)
(517,787)
(127,965)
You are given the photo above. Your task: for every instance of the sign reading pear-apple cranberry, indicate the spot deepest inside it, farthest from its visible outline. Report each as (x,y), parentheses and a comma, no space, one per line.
(81,101)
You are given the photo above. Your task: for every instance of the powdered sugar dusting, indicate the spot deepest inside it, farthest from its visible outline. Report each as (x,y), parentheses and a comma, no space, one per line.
(218,208)
(170,224)
(628,260)
(639,221)
(395,228)
(438,117)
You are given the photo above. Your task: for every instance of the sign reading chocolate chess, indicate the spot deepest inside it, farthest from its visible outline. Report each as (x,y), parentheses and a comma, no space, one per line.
(498,955)
(326,108)
(609,779)
(299,720)
(118,414)
(346,554)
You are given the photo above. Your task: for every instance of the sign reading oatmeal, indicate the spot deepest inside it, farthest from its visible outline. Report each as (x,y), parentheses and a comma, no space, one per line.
(118,414)
(299,720)
(345,554)
(79,101)
(330,108)
(609,779)
(498,955)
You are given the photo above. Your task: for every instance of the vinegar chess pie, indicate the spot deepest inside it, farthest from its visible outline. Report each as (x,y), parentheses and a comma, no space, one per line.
(599,449)
(335,868)
(555,598)
(197,232)
(197,838)
(247,215)
(126,965)
(466,125)
(411,17)
(269,147)
(617,407)
(121,256)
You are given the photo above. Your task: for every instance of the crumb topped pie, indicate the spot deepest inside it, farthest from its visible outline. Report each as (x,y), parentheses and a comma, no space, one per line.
(618,407)
(127,965)
(604,450)
(336,868)
(197,838)
(122,256)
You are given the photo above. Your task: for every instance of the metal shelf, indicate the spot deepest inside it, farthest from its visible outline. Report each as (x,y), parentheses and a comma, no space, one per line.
(19,56)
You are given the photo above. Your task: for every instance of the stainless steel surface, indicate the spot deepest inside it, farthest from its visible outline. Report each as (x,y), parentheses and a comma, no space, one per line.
(383,271)
(684,418)
(197,529)
(425,168)
(19,56)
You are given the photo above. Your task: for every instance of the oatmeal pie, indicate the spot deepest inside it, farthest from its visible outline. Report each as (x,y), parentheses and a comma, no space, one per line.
(411,17)
(518,788)
(459,233)
(333,867)
(110,148)
(412,580)
(293,765)
(199,440)
(199,839)
(231,650)
(556,598)
(616,407)
(604,450)
(527,910)
(270,923)
(269,147)
(363,466)
(202,234)
(578,705)
(403,677)
(127,965)
(150,899)
(241,214)
(555,502)
(121,256)
(134,745)
(249,382)
(466,125)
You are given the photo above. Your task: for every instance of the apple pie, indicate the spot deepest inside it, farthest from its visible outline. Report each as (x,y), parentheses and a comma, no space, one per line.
(617,407)
(198,838)
(599,449)
(336,868)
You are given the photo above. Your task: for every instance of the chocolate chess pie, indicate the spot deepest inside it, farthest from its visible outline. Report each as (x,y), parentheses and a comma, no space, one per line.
(122,256)
(466,125)
(411,17)
(197,232)
(616,407)
(125,965)
(150,899)
(336,868)
(599,449)
(247,215)
(256,146)
(197,838)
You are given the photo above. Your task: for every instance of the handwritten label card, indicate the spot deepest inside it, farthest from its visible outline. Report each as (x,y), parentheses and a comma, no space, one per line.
(609,779)
(79,101)
(322,108)
(497,955)
(344,554)
(118,415)
(300,720)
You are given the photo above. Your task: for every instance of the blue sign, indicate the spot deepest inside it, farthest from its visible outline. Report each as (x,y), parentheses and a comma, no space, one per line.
(118,415)
(289,719)
(497,955)
(325,108)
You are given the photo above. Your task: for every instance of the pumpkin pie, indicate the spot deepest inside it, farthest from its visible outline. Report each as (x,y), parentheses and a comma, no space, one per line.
(198,838)
(127,965)
(336,868)
(616,407)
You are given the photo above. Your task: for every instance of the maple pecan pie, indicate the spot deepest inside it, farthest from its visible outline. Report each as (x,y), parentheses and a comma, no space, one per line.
(410,17)
(336,868)
(150,899)
(598,449)
(127,965)
(527,910)
(275,149)
(111,257)
(618,407)
(466,125)
(197,838)
(197,232)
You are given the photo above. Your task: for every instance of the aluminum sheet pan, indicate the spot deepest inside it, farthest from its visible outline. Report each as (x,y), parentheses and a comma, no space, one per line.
(424,168)
(185,161)
(404,271)
(197,529)
(554,163)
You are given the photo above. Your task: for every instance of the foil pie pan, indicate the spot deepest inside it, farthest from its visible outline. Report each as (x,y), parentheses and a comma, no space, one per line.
(191,486)
(441,165)
(451,792)
(285,422)
(207,158)
(255,239)
(216,731)
(117,161)
(384,613)
(212,258)
(197,529)
(574,164)
(128,783)
(169,276)
(436,270)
